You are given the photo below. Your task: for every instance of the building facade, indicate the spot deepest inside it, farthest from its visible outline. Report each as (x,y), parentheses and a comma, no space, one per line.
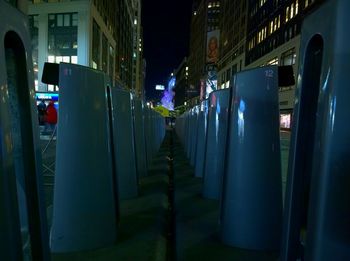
(204,44)
(181,89)
(95,33)
(233,28)
(273,38)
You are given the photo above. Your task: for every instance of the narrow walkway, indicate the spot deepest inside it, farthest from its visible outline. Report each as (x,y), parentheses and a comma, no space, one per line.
(169,220)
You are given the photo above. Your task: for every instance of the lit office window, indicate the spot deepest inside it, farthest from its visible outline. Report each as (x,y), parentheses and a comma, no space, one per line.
(287,13)
(95,46)
(296,7)
(34,33)
(273,61)
(62,35)
(292,11)
(288,57)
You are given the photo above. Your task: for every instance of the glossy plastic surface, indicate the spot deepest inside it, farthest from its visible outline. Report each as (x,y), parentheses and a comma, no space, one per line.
(23,224)
(123,131)
(216,143)
(251,211)
(201,139)
(328,226)
(84,215)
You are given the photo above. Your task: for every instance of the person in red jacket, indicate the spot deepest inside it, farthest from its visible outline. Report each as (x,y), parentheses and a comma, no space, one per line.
(51,116)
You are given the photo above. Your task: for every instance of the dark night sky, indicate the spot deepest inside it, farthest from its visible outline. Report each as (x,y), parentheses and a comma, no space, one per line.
(166,29)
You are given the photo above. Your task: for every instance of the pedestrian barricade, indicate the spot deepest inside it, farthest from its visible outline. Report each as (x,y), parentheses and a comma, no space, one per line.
(85,206)
(23,225)
(194,133)
(216,143)
(201,138)
(251,205)
(317,195)
(140,142)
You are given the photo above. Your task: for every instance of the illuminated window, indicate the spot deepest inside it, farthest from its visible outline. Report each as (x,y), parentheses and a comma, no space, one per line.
(74,59)
(288,57)
(262,2)
(273,61)
(271,27)
(291,11)
(296,7)
(287,13)
(306,3)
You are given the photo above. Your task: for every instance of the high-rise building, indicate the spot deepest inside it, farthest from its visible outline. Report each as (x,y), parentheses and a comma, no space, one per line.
(138,50)
(125,43)
(100,34)
(273,37)
(204,44)
(233,28)
(181,89)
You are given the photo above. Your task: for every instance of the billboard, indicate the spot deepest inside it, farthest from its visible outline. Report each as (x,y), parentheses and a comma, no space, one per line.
(213,46)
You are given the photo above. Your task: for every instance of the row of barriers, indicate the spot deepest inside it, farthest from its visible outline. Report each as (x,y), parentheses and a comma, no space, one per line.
(106,140)
(232,140)
(236,131)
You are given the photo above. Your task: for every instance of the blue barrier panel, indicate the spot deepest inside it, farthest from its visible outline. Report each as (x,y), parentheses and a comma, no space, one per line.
(154,132)
(140,138)
(201,139)
(148,135)
(216,143)
(317,196)
(189,133)
(251,210)
(84,208)
(23,225)
(194,135)
(123,132)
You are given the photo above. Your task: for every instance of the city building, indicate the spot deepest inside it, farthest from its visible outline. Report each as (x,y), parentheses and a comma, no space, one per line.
(99,34)
(233,28)
(125,43)
(138,50)
(204,47)
(273,37)
(21,5)
(182,89)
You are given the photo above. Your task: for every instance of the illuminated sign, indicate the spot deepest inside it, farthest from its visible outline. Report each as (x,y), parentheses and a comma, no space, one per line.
(46,96)
(160,87)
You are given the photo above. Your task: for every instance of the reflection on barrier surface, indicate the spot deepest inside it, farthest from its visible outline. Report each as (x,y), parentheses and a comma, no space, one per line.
(194,134)
(317,197)
(216,143)
(201,138)
(251,211)
(23,225)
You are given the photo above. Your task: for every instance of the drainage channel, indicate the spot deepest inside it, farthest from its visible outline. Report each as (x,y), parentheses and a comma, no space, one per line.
(171,240)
